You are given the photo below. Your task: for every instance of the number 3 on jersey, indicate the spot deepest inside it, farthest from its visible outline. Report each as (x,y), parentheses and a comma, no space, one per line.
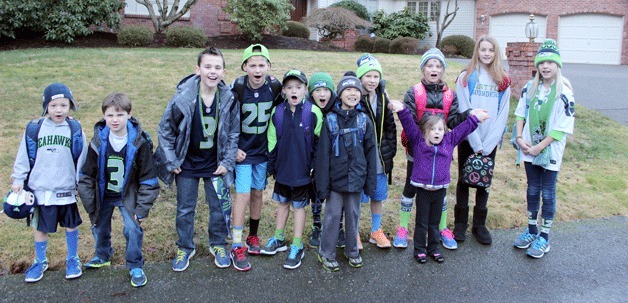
(257,116)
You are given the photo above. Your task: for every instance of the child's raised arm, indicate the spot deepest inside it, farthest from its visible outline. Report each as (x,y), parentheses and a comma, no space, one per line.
(395,106)
(481,114)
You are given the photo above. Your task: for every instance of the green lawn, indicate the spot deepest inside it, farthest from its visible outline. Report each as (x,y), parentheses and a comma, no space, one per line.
(591,184)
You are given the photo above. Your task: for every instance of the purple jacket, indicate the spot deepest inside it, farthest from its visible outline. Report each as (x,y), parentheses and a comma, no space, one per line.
(432,163)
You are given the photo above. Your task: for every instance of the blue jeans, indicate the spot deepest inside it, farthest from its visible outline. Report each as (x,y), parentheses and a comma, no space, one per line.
(187,194)
(541,182)
(133,234)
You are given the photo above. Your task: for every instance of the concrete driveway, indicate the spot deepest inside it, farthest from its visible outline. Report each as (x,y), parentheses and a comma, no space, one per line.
(600,87)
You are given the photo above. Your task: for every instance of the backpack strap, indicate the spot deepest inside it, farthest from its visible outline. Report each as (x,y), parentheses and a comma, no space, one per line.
(420,100)
(332,124)
(448,99)
(31,135)
(278,119)
(238,86)
(361,126)
(275,89)
(77,139)
(306,122)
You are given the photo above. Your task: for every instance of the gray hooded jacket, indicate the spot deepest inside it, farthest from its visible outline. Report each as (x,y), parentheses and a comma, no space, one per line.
(175,126)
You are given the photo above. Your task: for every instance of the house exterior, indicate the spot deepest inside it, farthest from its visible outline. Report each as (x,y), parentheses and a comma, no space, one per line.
(463,23)
(586,31)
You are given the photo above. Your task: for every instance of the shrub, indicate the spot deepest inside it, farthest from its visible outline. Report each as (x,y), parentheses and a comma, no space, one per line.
(296,29)
(363,44)
(332,22)
(459,44)
(58,20)
(135,35)
(400,24)
(381,45)
(185,36)
(404,45)
(255,17)
(357,8)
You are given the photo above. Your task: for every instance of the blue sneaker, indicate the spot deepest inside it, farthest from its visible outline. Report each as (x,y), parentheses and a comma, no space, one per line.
(525,239)
(73,268)
(294,257)
(401,239)
(36,271)
(138,278)
(273,246)
(538,248)
(447,237)
(182,261)
(96,262)
(220,254)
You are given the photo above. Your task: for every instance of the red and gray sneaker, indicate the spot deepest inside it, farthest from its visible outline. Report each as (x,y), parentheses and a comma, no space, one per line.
(238,258)
(252,245)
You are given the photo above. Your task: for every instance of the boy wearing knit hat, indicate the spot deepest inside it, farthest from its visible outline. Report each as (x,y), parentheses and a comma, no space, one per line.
(52,149)
(294,129)
(256,93)
(431,96)
(320,92)
(375,102)
(545,118)
(345,167)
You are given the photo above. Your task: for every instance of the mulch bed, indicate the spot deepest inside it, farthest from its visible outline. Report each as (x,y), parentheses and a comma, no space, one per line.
(104,39)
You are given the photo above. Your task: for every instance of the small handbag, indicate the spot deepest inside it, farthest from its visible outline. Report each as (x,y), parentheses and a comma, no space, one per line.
(478,171)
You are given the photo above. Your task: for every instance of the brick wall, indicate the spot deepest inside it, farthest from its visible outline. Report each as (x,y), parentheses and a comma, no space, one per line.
(553,9)
(207,15)
(347,41)
(521,61)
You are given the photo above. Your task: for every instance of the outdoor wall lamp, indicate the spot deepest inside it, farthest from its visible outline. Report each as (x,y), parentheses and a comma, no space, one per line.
(532,29)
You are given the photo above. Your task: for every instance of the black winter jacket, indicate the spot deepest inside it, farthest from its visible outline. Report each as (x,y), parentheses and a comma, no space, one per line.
(141,187)
(354,169)
(385,128)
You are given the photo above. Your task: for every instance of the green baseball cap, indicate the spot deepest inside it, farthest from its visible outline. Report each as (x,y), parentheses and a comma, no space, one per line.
(255,50)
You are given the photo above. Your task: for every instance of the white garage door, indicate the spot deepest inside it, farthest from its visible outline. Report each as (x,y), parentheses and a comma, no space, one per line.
(590,38)
(511,28)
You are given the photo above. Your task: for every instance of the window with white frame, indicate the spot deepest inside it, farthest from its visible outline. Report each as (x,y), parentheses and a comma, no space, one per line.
(134,8)
(411,6)
(429,9)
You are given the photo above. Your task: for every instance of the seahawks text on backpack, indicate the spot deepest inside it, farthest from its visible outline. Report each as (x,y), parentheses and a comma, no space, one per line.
(420,102)
(239,85)
(306,121)
(32,134)
(358,131)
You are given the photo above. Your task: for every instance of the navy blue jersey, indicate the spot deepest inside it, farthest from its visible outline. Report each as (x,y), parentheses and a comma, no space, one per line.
(114,173)
(255,109)
(201,159)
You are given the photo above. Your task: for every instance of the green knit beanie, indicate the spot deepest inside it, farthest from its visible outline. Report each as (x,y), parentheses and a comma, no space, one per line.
(548,52)
(320,79)
(368,63)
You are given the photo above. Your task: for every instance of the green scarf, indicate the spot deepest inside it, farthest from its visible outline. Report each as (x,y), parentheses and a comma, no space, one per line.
(538,119)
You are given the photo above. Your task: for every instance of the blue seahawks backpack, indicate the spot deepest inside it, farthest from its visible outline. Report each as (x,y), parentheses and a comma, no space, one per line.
(31,136)
(306,121)
(358,131)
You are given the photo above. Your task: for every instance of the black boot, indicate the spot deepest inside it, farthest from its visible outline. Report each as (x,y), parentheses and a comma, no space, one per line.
(461,222)
(479,229)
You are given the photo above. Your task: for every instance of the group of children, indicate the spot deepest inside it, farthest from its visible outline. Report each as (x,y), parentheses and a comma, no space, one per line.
(321,143)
